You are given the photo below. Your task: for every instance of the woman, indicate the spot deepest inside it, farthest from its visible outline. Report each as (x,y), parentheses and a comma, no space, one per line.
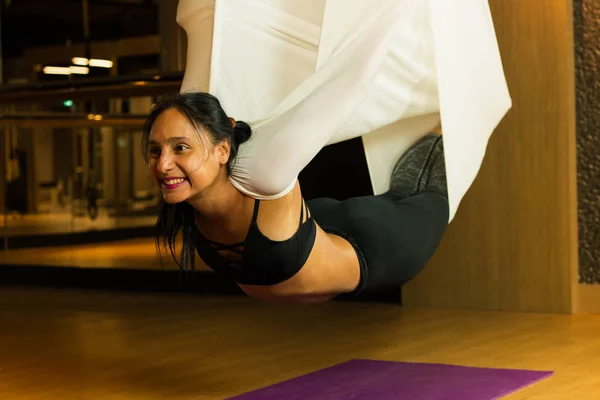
(281,247)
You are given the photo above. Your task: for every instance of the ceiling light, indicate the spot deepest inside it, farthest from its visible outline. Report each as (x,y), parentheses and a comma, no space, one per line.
(80,61)
(57,70)
(94,62)
(79,70)
(66,70)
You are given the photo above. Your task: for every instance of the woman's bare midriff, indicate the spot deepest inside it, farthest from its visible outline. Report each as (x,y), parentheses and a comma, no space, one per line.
(332,267)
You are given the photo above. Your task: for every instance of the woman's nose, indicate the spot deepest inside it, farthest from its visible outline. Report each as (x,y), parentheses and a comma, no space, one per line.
(165,163)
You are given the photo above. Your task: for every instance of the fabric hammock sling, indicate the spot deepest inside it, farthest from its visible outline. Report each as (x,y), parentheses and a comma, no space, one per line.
(306,74)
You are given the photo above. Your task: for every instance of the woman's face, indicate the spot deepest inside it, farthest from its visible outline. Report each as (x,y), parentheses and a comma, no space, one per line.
(183,162)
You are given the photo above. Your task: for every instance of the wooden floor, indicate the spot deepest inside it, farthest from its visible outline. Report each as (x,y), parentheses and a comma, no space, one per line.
(59,344)
(65,222)
(130,254)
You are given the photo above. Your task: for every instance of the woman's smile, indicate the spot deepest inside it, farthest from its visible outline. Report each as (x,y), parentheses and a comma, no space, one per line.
(171,183)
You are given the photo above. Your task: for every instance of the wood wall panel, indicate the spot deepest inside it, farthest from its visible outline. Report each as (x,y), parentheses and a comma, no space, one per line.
(513,243)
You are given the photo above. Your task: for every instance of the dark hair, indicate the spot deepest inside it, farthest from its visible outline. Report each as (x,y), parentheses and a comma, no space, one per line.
(203,110)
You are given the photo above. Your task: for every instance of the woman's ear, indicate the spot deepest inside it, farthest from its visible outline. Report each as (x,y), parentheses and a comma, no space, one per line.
(222,151)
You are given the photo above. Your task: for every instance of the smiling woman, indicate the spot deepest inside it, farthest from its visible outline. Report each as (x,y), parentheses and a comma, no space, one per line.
(280,247)
(187,141)
(191,160)
(307,75)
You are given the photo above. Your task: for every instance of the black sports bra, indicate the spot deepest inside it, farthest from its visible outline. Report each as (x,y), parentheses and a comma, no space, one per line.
(259,260)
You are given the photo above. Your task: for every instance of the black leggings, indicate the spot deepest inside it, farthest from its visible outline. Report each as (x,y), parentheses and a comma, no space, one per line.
(394,239)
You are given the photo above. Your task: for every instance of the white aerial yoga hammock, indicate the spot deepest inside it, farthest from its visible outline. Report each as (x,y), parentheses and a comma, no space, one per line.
(309,73)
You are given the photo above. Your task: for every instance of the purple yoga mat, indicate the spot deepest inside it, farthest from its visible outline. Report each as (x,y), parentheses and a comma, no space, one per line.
(387,380)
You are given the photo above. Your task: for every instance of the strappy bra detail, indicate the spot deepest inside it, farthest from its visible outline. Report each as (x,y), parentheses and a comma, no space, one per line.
(260,260)
(237,249)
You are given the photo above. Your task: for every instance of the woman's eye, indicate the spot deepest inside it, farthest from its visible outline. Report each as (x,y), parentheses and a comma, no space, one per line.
(180,147)
(154,151)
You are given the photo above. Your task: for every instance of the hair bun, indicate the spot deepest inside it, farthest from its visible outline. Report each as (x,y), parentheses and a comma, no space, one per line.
(241,132)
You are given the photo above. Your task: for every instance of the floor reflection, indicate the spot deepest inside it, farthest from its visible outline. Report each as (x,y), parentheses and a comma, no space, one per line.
(65,222)
(128,254)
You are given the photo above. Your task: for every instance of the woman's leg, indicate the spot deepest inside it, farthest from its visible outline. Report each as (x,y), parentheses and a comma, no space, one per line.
(395,234)
(421,166)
